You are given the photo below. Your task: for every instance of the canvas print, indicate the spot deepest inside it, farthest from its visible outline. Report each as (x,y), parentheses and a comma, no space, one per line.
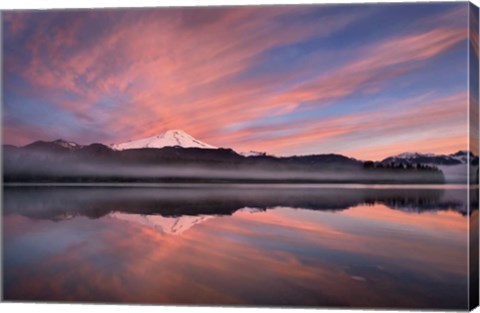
(285,155)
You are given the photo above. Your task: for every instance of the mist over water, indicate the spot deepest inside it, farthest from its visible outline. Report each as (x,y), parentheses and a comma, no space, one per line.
(158,165)
(294,245)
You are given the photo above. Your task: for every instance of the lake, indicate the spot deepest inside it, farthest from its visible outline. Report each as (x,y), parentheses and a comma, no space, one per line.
(248,245)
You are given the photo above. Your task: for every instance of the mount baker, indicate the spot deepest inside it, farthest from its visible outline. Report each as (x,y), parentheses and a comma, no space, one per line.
(170,138)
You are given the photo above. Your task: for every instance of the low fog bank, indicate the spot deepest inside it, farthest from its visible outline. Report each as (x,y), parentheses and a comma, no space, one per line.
(47,167)
(459,174)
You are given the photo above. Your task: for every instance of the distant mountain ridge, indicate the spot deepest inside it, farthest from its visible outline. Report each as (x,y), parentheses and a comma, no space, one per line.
(460,157)
(179,157)
(177,143)
(180,139)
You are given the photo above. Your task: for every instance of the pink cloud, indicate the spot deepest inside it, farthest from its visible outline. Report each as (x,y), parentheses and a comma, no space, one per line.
(436,123)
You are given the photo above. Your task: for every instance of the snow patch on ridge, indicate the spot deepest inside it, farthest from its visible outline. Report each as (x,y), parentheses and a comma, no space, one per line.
(412,155)
(252,153)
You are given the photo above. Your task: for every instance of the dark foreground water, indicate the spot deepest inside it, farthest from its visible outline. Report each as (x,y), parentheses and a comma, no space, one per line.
(237,245)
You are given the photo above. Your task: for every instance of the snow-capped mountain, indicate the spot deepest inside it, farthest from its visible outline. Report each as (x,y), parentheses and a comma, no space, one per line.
(170,138)
(453,166)
(167,225)
(460,157)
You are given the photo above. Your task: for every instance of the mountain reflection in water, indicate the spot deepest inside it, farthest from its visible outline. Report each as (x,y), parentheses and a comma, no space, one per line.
(239,245)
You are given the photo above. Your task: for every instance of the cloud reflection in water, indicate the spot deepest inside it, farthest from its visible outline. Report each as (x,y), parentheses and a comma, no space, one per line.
(368,253)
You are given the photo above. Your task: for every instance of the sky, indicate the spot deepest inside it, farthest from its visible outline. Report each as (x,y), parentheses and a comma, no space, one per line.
(364,80)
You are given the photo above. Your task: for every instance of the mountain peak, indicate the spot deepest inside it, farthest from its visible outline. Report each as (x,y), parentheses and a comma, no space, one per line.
(172,132)
(460,153)
(170,138)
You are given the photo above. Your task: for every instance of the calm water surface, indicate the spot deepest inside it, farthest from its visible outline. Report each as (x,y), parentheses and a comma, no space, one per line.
(237,245)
